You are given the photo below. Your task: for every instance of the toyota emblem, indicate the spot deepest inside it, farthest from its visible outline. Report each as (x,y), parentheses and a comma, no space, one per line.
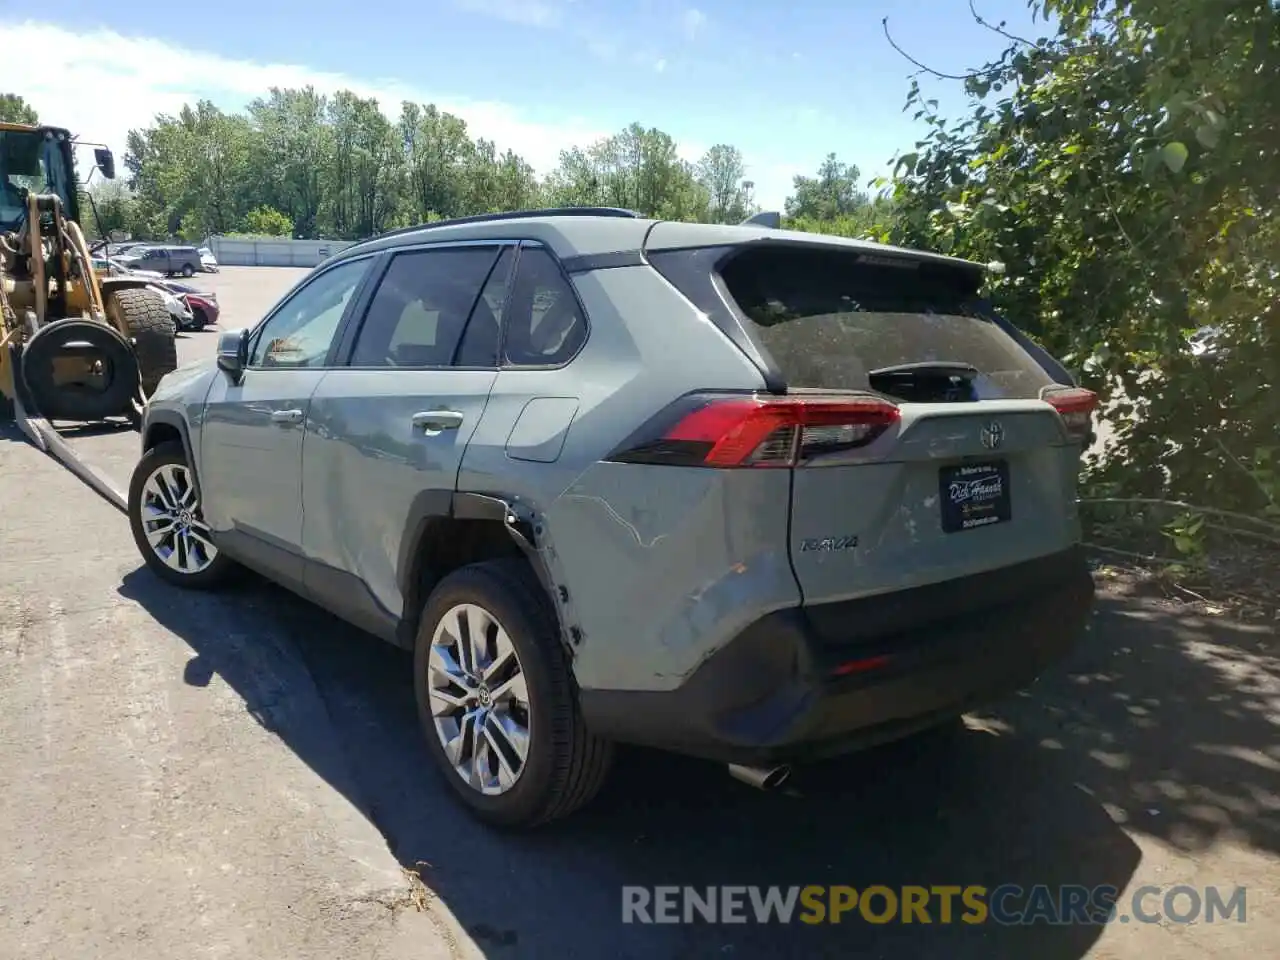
(992,435)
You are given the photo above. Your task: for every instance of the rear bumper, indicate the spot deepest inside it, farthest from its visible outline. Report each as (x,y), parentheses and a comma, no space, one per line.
(811,682)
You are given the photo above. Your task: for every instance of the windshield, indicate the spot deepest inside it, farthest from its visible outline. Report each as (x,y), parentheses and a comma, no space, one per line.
(30,162)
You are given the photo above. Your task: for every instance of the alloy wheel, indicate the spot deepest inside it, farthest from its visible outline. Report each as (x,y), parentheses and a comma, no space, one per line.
(172,521)
(479,699)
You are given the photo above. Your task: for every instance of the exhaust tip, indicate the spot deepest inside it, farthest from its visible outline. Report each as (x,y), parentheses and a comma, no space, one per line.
(776,777)
(762,778)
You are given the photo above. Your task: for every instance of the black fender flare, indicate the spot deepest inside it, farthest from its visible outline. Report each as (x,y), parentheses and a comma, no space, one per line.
(433,506)
(171,418)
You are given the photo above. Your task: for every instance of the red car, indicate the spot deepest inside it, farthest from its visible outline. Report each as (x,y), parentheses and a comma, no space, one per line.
(204,305)
(204,309)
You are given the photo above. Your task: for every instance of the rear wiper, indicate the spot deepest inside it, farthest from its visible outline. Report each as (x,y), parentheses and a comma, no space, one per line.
(945,368)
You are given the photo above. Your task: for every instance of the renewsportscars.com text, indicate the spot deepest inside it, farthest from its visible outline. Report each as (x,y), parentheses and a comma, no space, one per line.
(1008,904)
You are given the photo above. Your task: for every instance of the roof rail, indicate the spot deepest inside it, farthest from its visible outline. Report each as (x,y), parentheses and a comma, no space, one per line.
(509,215)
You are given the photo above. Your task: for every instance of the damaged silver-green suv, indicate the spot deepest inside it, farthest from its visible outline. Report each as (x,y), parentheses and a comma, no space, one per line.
(748,494)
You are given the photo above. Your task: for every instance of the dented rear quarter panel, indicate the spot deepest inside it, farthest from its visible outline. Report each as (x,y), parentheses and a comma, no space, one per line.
(661,565)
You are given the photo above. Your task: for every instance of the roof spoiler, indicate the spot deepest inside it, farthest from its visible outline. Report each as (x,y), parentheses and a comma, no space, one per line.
(765,218)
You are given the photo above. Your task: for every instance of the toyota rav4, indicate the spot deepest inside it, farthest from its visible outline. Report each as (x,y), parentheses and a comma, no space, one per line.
(752,495)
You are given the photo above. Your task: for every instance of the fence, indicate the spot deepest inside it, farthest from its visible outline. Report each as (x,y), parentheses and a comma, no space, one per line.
(244,252)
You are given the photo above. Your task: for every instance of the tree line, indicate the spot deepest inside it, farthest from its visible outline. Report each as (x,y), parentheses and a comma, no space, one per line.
(1125,168)
(304,164)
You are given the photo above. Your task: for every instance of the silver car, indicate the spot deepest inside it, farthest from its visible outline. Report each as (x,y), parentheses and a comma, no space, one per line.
(752,495)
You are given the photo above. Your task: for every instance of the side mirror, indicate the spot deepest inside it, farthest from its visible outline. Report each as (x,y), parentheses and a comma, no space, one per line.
(233,353)
(106,162)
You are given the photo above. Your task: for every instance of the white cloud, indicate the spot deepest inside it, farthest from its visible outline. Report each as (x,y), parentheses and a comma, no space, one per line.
(108,84)
(693,21)
(660,65)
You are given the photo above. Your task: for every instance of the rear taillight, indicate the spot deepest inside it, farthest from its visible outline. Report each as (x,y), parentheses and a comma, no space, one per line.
(711,431)
(1076,406)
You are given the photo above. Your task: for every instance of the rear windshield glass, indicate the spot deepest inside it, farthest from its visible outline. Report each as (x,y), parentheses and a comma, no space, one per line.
(832,322)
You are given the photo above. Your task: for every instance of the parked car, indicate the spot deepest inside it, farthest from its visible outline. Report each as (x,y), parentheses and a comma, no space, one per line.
(113,267)
(177,286)
(179,309)
(165,260)
(208,261)
(202,305)
(204,309)
(753,495)
(180,312)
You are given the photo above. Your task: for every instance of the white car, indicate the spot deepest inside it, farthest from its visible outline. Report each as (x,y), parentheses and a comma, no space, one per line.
(179,310)
(208,260)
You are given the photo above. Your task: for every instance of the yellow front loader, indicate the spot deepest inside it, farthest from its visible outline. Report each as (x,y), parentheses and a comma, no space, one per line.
(73,345)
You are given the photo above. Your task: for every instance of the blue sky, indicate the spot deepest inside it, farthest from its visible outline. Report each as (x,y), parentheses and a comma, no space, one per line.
(786,83)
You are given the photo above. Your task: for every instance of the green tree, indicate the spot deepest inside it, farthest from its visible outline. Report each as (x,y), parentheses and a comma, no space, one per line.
(14,109)
(266,222)
(114,204)
(191,170)
(438,153)
(365,171)
(637,169)
(1126,171)
(290,153)
(833,193)
(722,172)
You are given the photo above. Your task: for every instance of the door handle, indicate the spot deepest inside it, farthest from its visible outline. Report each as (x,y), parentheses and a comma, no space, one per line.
(286,416)
(438,420)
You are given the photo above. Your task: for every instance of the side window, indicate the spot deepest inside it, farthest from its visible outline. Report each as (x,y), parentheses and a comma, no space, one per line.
(545,325)
(479,347)
(300,333)
(420,309)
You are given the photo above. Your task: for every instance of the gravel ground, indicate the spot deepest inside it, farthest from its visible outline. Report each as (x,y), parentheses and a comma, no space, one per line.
(242,776)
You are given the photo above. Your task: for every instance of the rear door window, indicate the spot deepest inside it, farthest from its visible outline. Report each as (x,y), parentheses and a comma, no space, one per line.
(420,309)
(834,321)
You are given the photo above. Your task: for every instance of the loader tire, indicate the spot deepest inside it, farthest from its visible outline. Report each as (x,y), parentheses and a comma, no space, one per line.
(142,312)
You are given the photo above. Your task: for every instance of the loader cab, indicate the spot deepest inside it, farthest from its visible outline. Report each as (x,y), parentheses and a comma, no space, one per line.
(35,160)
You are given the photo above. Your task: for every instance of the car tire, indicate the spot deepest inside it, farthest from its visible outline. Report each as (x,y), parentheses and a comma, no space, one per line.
(187,557)
(198,320)
(564,765)
(188,270)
